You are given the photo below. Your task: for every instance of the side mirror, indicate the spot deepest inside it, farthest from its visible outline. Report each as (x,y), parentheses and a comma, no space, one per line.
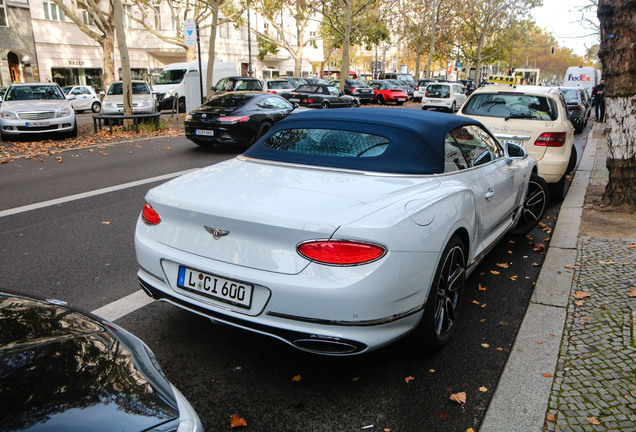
(514,151)
(102,93)
(71,97)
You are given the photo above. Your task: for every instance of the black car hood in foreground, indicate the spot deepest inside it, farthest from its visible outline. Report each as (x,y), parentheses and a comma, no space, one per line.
(63,370)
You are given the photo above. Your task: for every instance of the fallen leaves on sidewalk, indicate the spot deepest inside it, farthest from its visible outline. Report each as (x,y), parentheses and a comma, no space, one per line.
(547,375)
(592,420)
(581,295)
(569,266)
(408,379)
(632,293)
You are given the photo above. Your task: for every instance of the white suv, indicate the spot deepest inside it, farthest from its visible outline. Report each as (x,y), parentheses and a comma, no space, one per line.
(447,96)
(532,116)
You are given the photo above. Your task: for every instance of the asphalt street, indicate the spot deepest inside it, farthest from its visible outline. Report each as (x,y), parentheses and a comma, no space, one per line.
(81,251)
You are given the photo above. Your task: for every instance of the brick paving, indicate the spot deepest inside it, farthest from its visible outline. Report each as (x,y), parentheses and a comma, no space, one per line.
(594,386)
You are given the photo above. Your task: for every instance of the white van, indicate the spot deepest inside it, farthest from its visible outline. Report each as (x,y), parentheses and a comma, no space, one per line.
(170,81)
(586,77)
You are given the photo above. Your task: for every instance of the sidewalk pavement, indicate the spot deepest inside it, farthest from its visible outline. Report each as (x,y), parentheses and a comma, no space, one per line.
(573,364)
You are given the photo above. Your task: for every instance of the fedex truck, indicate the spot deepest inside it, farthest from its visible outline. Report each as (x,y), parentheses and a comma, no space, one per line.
(170,81)
(582,76)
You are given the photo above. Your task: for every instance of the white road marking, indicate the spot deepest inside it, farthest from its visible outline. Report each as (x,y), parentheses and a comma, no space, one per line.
(89,194)
(123,306)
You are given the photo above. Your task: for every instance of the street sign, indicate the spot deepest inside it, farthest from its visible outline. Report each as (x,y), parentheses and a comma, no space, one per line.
(189,32)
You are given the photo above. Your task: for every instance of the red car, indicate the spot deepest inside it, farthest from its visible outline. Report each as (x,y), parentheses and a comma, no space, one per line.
(384,92)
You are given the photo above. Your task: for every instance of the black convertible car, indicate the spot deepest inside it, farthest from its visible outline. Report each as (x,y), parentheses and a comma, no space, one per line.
(66,370)
(238,118)
(321,96)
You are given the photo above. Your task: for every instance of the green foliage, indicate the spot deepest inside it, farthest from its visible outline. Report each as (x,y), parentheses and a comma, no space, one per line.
(265,47)
(148,127)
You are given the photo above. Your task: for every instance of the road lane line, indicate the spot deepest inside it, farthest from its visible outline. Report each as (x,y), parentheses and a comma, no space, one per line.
(123,306)
(36,206)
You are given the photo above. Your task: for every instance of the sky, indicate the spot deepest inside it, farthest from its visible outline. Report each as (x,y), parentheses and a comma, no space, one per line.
(560,18)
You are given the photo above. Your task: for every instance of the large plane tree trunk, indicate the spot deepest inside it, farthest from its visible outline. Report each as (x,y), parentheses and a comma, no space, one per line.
(618,55)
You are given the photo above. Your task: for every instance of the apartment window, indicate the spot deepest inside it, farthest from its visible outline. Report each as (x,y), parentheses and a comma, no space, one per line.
(128,21)
(223,31)
(157,10)
(52,12)
(3,15)
(175,23)
(83,12)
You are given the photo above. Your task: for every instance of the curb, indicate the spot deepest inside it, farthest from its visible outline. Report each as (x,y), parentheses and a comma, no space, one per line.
(522,395)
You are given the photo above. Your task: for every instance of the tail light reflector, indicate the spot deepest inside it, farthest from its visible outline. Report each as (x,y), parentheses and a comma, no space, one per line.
(233,119)
(149,215)
(308,100)
(341,252)
(551,139)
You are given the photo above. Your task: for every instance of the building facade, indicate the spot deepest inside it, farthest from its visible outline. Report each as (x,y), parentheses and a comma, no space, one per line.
(61,52)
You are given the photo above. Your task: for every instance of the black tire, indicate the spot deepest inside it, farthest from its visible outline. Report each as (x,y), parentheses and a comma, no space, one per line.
(558,189)
(324,105)
(399,103)
(534,205)
(182,105)
(444,299)
(262,129)
(96,107)
(381,100)
(572,162)
(5,137)
(73,132)
(453,107)
(355,103)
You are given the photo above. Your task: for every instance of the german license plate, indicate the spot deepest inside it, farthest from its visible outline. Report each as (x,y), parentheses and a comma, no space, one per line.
(206,132)
(37,124)
(294,100)
(215,287)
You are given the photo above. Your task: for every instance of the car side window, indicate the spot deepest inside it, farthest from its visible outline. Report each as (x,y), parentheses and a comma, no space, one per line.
(453,157)
(477,146)
(77,91)
(277,103)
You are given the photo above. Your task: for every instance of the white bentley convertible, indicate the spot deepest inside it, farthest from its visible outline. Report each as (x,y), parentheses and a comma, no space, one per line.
(339,231)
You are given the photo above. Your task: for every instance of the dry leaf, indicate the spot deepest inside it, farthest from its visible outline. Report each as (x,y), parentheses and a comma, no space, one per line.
(483,389)
(482,288)
(297,378)
(549,417)
(431,370)
(576,280)
(495,272)
(105,223)
(475,302)
(443,415)
(547,239)
(536,264)
(499,349)
(569,266)
(470,430)
(459,398)
(513,278)
(539,342)
(502,265)
(581,295)
(485,345)
(632,293)
(592,420)
(547,375)
(551,335)
(409,378)
(236,421)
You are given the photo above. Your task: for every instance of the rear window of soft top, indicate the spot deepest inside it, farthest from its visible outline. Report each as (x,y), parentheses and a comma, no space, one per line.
(512,105)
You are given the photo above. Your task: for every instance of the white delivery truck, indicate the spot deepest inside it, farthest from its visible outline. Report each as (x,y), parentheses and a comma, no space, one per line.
(587,77)
(170,81)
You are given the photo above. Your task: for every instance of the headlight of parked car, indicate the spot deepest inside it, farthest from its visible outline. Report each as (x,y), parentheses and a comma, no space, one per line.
(188,117)
(63,112)
(146,102)
(170,92)
(108,104)
(6,114)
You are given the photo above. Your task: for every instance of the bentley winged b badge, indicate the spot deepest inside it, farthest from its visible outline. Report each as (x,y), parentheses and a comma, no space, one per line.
(216,232)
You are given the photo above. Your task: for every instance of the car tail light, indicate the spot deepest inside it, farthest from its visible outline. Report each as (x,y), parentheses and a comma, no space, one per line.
(308,100)
(341,252)
(233,119)
(149,215)
(353,90)
(271,91)
(551,139)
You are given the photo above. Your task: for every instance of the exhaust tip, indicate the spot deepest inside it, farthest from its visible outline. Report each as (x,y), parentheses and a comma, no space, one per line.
(326,346)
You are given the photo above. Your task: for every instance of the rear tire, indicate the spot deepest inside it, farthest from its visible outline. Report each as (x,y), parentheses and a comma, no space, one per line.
(355,103)
(380,100)
(444,298)
(572,162)
(262,129)
(96,107)
(182,105)
(324,105)
(453,107)
(73,133)
(558,190)
(534,205)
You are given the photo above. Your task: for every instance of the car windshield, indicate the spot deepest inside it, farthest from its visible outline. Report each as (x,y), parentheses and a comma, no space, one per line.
(117,88)
(229,100)
(172,76)
(511,105)
(282,84)
(437,90)
(355,83)
(34,92)
(571,95)
(327,142)
(67,89)
(296,81)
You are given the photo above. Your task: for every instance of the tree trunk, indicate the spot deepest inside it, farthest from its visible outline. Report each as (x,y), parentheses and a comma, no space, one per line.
(125,60)
(346,46)
(480,47)
(431,49)
(108,50)
(211,50)
(618,56)
(298,60)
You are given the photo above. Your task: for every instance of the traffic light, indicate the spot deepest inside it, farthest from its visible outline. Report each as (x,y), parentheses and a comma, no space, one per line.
(552,50)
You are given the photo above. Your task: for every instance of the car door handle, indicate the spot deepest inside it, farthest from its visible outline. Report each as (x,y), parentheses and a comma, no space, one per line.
(489,194)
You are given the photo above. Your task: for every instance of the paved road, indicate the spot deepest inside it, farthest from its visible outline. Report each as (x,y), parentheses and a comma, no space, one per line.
(81,251)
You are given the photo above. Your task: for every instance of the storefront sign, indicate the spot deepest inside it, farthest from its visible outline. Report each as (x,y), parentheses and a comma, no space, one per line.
(76,62)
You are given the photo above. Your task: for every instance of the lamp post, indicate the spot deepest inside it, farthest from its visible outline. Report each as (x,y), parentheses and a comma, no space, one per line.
(249,45)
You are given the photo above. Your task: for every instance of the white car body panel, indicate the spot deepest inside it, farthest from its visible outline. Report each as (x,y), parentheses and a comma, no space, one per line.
(269,208)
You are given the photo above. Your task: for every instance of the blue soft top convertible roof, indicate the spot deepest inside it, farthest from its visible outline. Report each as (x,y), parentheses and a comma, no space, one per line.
(416,138)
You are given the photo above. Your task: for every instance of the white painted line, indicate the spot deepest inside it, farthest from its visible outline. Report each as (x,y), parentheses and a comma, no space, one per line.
(89,194)
(123,306)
